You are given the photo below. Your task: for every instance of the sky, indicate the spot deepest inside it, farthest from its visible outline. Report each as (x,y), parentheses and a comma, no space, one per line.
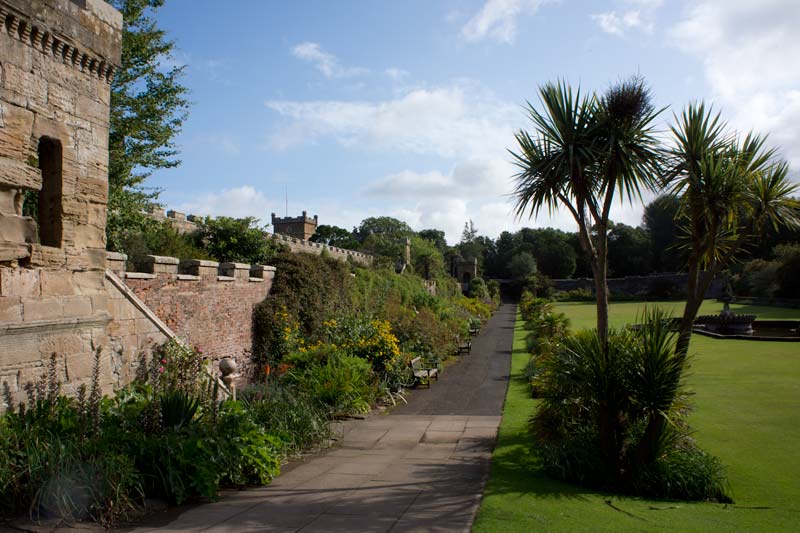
(353,109)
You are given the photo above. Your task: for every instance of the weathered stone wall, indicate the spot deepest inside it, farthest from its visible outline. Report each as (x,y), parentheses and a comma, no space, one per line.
(632,285)
(57,58)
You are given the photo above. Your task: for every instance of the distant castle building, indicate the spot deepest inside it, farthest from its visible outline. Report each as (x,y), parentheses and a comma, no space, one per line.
(302,227)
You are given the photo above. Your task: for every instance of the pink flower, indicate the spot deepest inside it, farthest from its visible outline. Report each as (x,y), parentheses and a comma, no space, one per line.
(199,350)
(163,361)
(161,370)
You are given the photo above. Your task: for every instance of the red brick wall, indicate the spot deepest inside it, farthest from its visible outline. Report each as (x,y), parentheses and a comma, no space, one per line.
(216,316)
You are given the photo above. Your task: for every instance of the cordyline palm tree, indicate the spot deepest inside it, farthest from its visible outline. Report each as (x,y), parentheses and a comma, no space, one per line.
(584,150)
(730,189)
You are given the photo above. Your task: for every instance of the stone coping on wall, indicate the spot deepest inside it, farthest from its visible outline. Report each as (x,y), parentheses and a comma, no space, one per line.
(189,270)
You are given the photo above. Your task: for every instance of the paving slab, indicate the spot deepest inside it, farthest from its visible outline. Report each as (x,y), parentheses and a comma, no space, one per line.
(421,467)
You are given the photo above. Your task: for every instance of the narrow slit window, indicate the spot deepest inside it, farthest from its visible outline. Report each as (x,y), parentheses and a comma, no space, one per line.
(50,197)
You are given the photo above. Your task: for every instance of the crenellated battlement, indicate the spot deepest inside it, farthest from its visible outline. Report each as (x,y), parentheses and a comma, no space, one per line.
(188,270)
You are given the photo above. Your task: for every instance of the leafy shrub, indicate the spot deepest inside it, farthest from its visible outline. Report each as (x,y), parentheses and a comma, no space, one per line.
(239,240)
(759,278)
(788,274)
(160,238)
(307,290)
(290,415)
(613,415)
(575,295)
(344,384)
(478,289)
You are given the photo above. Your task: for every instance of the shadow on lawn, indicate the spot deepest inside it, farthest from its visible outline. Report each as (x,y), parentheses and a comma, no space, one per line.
(517,470)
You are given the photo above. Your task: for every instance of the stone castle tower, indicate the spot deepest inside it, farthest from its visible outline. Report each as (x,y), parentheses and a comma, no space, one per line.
(57,59)
(302,227)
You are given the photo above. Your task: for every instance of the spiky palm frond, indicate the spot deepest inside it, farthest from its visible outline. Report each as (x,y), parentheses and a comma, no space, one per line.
(771,197)
(658,371)
(557,161)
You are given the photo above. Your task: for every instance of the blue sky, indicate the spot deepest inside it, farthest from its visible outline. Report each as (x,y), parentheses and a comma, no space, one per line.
(406,108)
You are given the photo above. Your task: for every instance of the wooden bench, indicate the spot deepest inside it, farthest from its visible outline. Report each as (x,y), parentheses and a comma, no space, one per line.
(423,372)
(464,347)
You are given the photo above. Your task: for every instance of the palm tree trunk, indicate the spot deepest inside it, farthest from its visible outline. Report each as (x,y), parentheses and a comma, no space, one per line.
(600,269)
(693,302)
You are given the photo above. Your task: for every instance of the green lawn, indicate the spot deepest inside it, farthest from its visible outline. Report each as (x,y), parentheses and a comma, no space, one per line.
(747,412)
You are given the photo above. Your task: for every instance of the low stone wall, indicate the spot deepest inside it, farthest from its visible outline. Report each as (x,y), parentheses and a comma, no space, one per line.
(632,285)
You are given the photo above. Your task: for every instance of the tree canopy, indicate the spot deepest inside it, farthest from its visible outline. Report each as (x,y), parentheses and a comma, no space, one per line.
(148,108)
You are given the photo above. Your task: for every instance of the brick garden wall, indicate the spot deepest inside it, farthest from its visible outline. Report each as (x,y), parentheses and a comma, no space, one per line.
(207,304)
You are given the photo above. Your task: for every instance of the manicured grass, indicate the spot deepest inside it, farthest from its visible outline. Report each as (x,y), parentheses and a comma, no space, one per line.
(747,412)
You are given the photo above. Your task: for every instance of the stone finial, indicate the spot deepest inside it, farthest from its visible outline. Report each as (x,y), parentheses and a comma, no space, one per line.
(227,367)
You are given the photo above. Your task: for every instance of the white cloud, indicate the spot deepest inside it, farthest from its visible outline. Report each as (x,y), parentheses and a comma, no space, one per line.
(750,53)
(325,62)
(237,202)
(396,74)
(470,179)
(497,19)
(616,24)
(449,121)
(638,15)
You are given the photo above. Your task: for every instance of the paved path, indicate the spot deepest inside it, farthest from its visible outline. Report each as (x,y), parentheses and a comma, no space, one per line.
(422,467)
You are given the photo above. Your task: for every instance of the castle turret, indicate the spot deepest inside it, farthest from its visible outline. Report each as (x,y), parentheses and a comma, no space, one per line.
(302,227)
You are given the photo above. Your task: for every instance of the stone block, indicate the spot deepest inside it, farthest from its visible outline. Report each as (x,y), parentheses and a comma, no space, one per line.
(77,306)
(61,98)
(16,132)
(145,326)
(25,82)
(10,251)
(120,327)
(97,258)
(157,264)
(116,262)
(92,190)
(262,271)
(89,282)
(18,229)
(56,283)
(90,237)
(19,173)
(48,256)
(18,53)
(23,282)
(99,303)
(199,267)
(92,110)
(240,271)
(10,309)
(35,309)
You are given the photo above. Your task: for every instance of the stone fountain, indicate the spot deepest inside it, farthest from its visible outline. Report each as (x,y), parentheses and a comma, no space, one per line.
(727,322)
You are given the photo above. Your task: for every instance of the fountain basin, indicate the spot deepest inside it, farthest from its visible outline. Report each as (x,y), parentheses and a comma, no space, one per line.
(759,330)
